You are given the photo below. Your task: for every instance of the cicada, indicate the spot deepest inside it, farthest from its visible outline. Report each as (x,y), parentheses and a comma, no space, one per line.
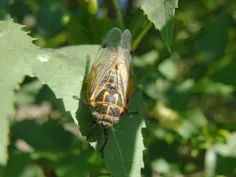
(110,80)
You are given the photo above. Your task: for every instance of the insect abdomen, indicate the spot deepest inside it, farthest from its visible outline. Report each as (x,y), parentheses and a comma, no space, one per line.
(110,100)
(110,94)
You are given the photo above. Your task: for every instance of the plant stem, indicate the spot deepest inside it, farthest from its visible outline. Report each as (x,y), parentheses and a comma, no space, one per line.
(119,14)
(141,35)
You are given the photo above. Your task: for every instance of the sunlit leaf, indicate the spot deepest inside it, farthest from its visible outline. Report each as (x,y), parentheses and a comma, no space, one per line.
(161,13)
(16,51)
(63,71)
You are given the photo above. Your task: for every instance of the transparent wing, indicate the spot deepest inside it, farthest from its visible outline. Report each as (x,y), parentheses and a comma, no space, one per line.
(125,52)
(126,40)
(103,61)
(125,68)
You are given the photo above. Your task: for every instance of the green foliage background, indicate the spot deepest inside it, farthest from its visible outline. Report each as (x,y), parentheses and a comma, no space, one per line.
(184,63)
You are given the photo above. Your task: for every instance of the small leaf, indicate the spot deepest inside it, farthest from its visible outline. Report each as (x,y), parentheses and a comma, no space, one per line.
(17,51)
(161,13)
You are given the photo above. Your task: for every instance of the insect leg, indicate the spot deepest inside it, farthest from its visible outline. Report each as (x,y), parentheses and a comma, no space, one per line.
(94,123)
(129,112)
(76,97)
(80,99)
(105,132)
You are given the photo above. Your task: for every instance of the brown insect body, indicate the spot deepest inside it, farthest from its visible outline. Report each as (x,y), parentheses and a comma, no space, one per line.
(109,102)
(110,81)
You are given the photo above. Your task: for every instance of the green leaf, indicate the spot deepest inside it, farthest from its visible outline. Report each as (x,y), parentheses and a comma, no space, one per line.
(63,71)
(4,127)
(16,52)
(215,38)
(161,13)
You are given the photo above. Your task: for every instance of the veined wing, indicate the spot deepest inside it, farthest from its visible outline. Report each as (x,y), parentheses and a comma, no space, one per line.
(126,48)
(125,69)
(104,59)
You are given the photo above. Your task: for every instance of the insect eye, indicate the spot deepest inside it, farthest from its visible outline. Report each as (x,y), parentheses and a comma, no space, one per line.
(104,45)
(131,52)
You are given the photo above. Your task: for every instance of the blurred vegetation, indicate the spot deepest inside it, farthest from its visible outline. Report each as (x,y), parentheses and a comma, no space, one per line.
(189,93)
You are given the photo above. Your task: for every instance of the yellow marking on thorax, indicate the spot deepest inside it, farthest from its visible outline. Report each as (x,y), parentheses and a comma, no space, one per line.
(116,97)
(105,95)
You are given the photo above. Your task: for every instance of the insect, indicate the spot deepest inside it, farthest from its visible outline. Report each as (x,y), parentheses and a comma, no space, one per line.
(110,80)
